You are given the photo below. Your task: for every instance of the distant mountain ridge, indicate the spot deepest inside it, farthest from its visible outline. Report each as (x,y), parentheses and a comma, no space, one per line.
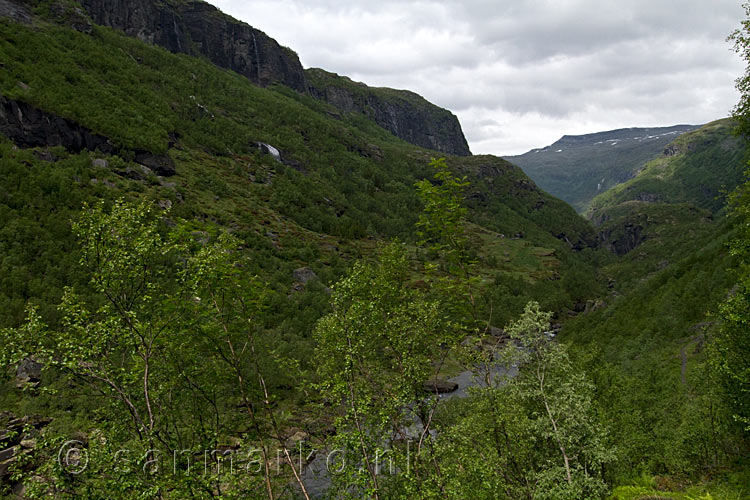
(622,135)
(576,168)
(680,174)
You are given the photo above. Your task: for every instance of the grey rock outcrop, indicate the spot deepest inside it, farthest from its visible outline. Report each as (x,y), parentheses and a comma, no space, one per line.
(29,127)
(197,28)
(623,239)
(29,371)
(159,164)
(17,443)
(405,114)
(200,29)
(304,274)
(15,11)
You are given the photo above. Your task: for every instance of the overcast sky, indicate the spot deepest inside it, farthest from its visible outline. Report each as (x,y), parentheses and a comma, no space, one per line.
(520,74)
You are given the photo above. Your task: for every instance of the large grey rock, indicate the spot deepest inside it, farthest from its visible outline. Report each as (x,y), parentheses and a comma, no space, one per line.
(200,29)
(5,467)
(304,274)
(498,333)
(29,371)
(440,386)
(15,11)
(161,164)
(9,453)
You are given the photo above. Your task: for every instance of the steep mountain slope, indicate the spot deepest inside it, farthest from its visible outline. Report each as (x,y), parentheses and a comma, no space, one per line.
(145,127)
(88,114)
(650,333)
(647,344)
(578,168)
(405,114)
(199,28)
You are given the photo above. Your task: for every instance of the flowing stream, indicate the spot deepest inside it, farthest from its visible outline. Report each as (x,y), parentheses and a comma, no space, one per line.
(316,475)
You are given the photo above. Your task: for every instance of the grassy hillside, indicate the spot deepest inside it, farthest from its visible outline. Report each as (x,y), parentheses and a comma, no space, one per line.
(699,167)
(649,350)
(673,201)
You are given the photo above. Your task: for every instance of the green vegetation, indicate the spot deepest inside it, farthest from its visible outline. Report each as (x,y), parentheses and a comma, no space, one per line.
(732,341)
(484,452)
(343,177)
(701,168)
(175,315)
(658,344)
(171,336)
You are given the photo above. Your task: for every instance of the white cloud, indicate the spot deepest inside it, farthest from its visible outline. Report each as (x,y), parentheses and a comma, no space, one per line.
(520,74)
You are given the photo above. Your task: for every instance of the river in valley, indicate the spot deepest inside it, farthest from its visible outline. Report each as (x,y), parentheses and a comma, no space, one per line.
(317,476)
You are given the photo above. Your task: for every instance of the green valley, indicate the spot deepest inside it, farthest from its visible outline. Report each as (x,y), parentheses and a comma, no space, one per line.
(226,276)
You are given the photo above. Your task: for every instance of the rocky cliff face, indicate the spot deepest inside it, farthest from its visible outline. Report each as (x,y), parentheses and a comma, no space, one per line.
(403,113)
(15,11)
(200,29)
(30,127)
(623,238)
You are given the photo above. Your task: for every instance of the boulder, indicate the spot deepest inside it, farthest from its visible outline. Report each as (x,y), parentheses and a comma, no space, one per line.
(440,386)
(497,332)
(5,467)
(304,274)
(28,444)
(29,371)
(9,453)
(160,164)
